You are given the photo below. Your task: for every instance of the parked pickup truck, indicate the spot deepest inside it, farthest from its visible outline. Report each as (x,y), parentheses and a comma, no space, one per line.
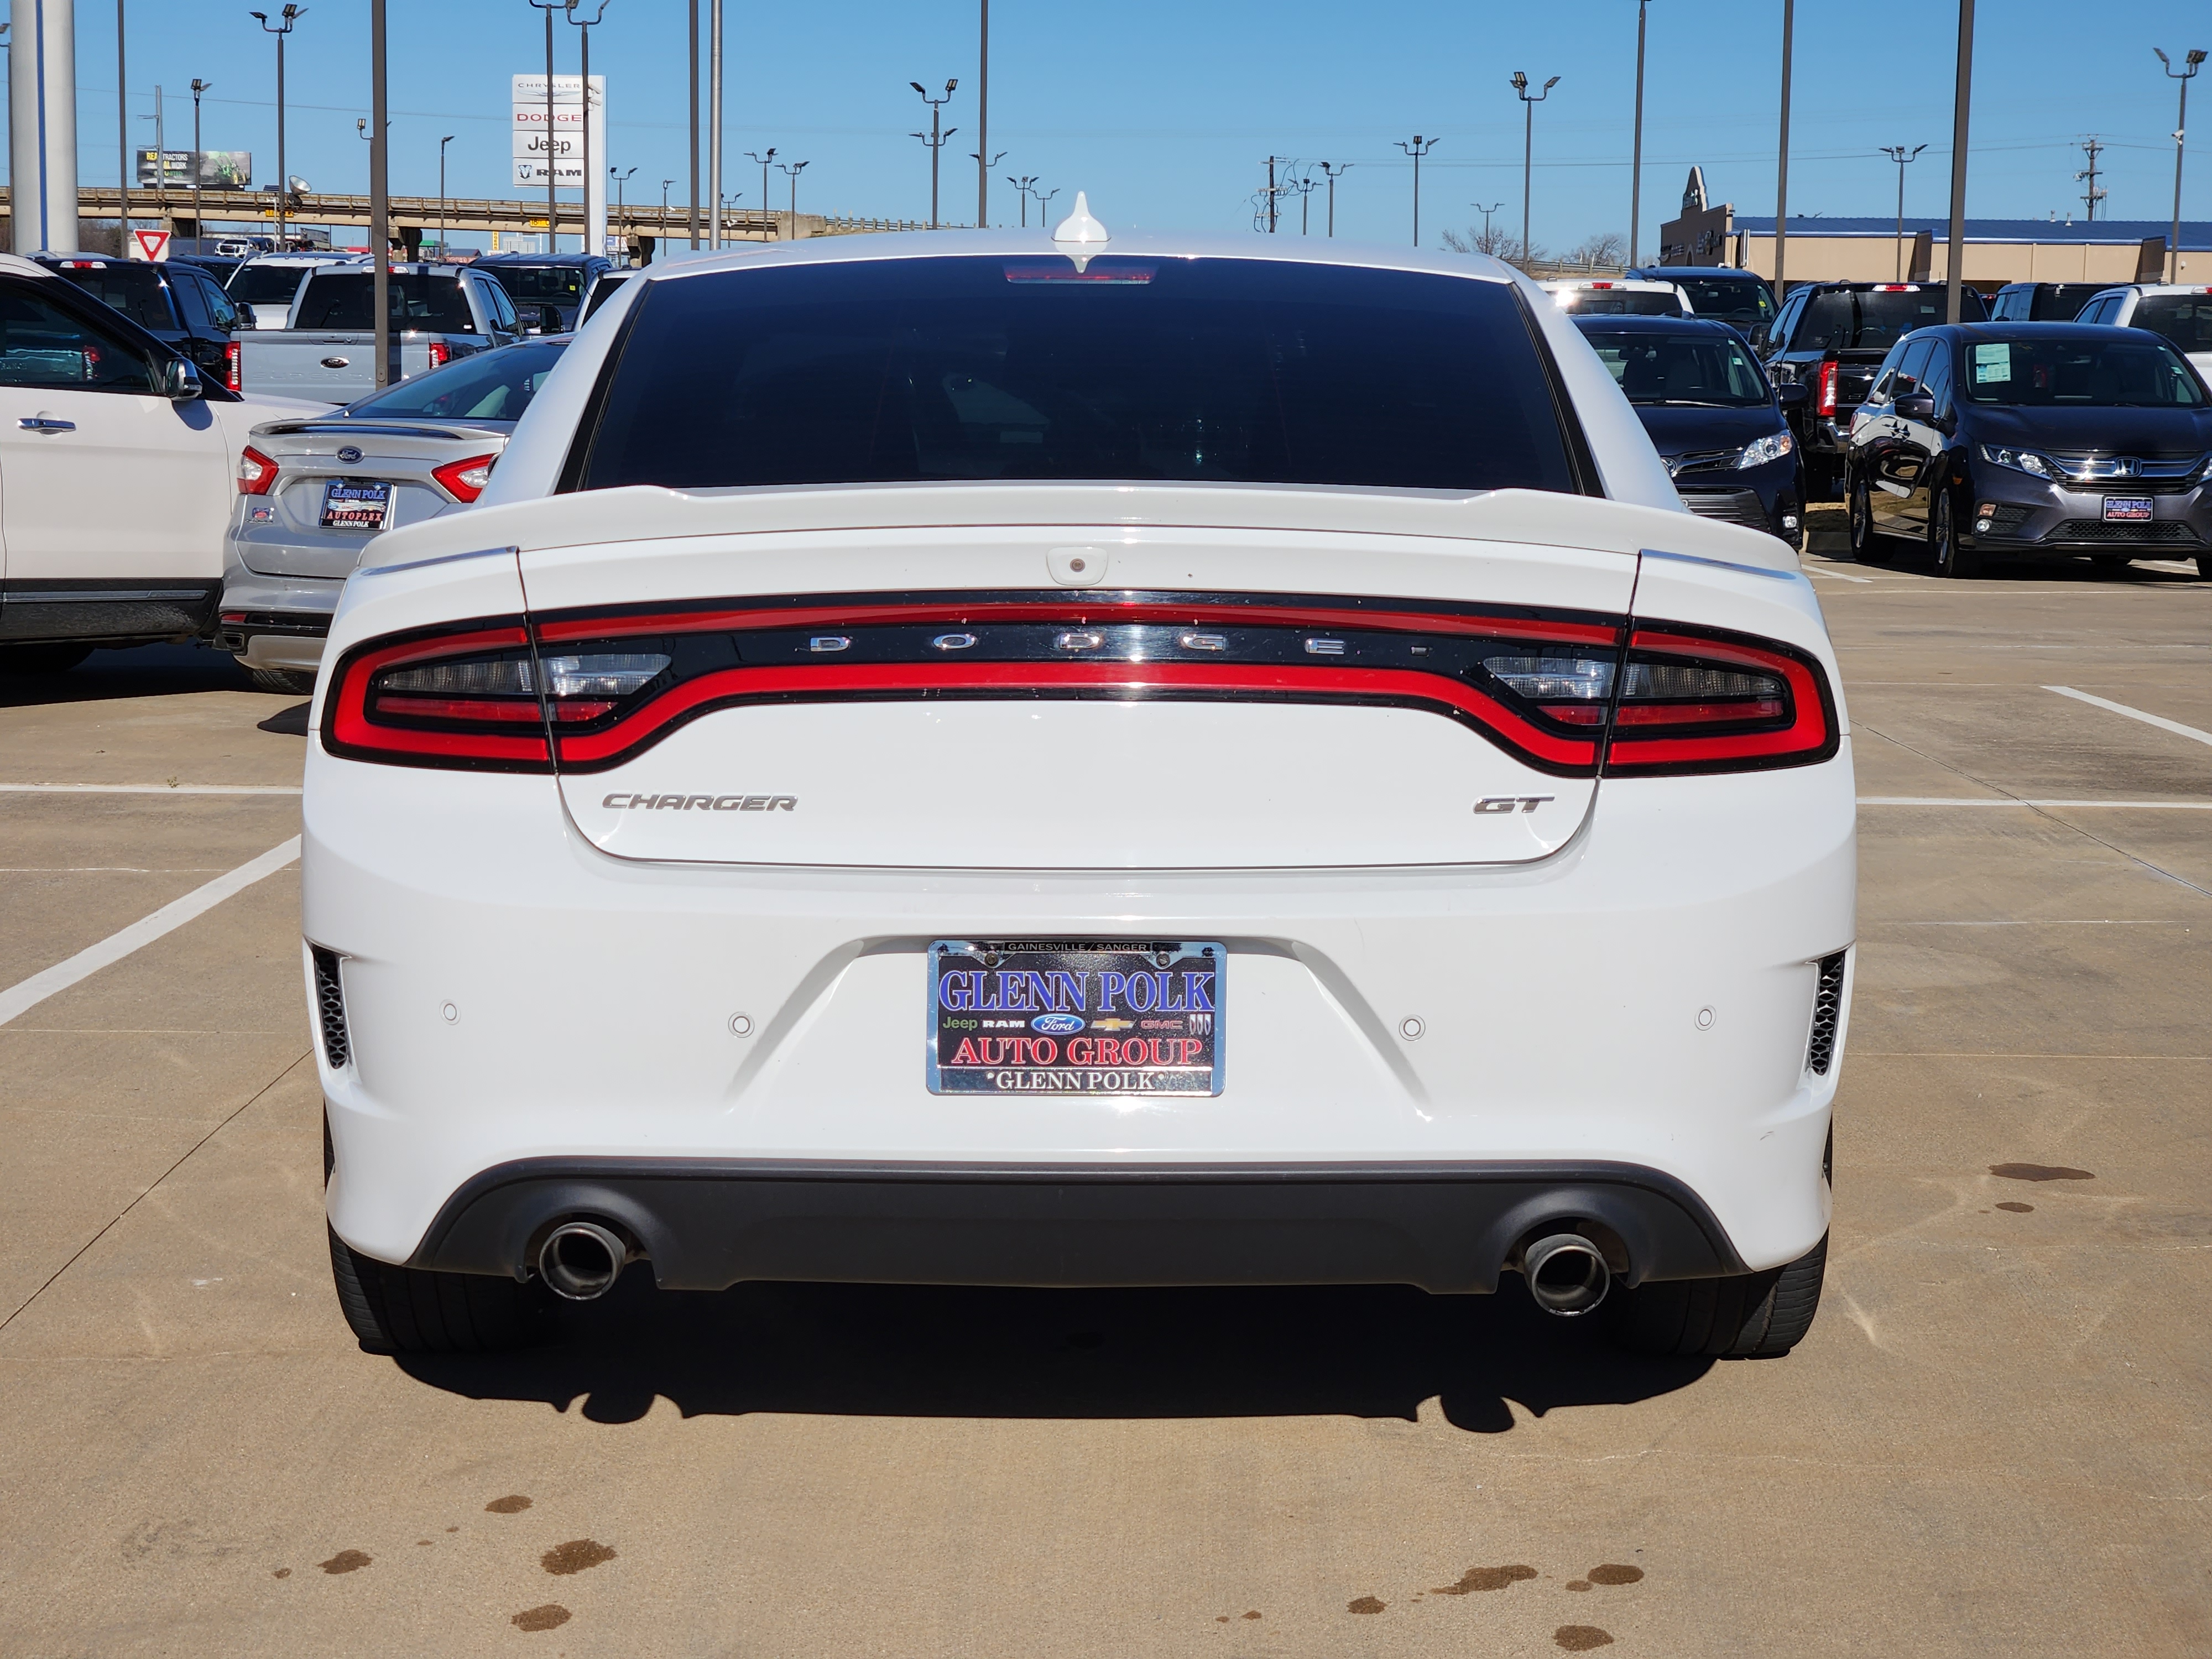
(327,351)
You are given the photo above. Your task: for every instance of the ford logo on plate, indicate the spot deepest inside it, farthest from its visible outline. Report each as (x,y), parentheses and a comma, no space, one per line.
(349,454)
(1057,1025)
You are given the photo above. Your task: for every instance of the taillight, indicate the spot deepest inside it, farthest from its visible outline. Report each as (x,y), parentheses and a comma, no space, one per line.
(464,480)
(1709,702)
(230,366)
(1824,402)
(440,354)
(256,471)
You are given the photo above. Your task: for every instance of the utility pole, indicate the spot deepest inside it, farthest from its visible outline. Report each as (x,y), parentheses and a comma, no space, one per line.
(379,196)
(1528,102)
(1782,153)
(714,120)
(199,224)
(695,132)
(1332,173)
(1635,167)
(2184,74)
(2092,144)
(983,123)
(766,211)
(289,15)
(552,173)
(1904,158)
(123,137)
(1419,147)
(442,142)
(934,138)
(1273,193)
(1955,276)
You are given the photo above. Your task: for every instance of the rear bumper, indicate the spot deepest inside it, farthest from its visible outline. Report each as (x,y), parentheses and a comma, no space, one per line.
(275,622)
(1446,1228)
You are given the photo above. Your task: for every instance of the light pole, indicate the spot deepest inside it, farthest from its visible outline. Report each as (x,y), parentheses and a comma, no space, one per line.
(288,16)
(1305,188)
(1043,196)
(622,210)
(380,197)
(934,138)
(1955,276)
(122,140)
(991,162)
(1485,212)
(199,224)
(591,178)
(664,183)
(983,122)
(1904,158)
(695,133)
(2183,75)
(1635,173)
(1022,186)
(1528,102)
(442,142)
(552,187)
(1334,171)
(1419,147)
(1782,153)
(791,170)
(766,211)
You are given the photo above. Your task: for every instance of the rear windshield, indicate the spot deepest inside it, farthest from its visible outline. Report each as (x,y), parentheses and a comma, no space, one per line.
(492,385)
(2184,319)
(1214,370)
(1620,302)
(134,291)
(1698,370)
(265,285)
(2114,372)
(602,291)
(1740,300)
(1844,320)
(347,299)
(540,284)
(2061,302)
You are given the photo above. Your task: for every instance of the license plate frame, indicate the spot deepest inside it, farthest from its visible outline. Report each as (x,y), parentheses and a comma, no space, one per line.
(356,504)
(2129,509)
(1032,1018)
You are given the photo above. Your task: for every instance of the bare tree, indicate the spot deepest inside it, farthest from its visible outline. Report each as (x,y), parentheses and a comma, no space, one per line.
(1493,239)
(1607,247)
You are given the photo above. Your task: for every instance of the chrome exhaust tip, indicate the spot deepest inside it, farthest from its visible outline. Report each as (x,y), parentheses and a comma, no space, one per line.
(1567,1274)
(581,1260)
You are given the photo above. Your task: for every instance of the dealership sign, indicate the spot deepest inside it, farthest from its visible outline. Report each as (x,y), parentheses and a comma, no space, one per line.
(559,143)
(218,169)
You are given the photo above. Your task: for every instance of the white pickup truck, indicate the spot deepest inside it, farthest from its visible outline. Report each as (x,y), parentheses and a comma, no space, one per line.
(327,351)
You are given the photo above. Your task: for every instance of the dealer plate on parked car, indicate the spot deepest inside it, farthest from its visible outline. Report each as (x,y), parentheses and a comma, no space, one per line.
(1075,1017)
(2127,509)
(355,504)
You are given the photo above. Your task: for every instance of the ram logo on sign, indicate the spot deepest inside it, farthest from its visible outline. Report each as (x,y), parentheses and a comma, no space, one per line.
(563,141)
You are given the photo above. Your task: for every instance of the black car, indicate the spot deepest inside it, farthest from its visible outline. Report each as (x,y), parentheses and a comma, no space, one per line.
(1716,420)
(1829,338)
(218,266)
(1983,441)
(2042,302)
(1721,292)
(180,305)
(547,288)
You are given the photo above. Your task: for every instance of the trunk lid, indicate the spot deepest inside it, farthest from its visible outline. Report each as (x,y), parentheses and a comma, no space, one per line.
(293,541)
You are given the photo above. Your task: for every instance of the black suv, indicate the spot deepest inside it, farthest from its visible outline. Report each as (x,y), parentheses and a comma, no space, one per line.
(1830,339)
(180,305)
(1740,298)
(2042,302)
(547,288)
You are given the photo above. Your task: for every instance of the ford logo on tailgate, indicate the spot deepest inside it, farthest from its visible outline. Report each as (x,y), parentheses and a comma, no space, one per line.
(1057,1025)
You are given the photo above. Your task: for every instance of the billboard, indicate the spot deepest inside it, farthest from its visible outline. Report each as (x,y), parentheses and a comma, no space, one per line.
(219,169)
(564,143)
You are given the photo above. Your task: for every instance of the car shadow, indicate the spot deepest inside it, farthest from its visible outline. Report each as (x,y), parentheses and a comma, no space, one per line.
(287,722)
(145,670)
(892,1351)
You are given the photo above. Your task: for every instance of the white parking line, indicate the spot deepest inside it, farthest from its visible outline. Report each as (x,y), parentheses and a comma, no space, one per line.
(2159,720)
(19,998)
(149,788)
(1835,576)
(2014,800)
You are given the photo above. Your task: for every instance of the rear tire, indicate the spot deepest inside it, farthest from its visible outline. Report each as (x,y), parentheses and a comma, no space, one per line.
(41,659)
(1868,546)
(288,682)
(1751,1317)
(415,1310)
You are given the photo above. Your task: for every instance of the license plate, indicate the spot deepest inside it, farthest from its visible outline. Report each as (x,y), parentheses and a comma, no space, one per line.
(2127,509)
(355,504)
(1074,1017)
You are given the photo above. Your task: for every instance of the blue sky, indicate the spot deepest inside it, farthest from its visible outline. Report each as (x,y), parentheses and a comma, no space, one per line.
(1166,113)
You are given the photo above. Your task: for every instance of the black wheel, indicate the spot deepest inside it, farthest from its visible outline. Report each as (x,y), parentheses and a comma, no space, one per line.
(1867,546)
(289,682)
(1753,1316)
(41,659)
(2204,566)
(1951,559)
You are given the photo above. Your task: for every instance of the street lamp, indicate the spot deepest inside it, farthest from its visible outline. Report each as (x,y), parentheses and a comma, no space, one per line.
(622,212)
(1636,167)
(766,211)
(934,138)
(442,142)
(1305,187)
(1781,155)
(985,162)
(2183,75)
(1022,186)
(1904,158)
(1487,247)
(199,224)
(288,16)
(983,122)
(1334,171)
(1417,149)
(1528,102)
(587,25)
(791,170)
(1963,86)
(552,187)
(665,236)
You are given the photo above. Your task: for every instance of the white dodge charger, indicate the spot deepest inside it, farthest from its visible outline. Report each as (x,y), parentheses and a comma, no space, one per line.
(1070,760)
